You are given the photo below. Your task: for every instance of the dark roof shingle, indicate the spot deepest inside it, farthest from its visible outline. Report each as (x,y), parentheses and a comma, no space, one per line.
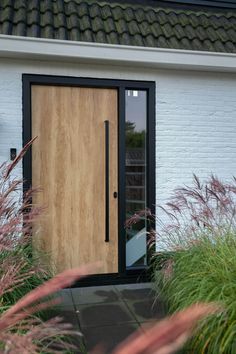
(121,23)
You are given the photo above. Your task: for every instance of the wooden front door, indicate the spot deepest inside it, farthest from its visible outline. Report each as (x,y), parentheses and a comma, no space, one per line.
(69,164)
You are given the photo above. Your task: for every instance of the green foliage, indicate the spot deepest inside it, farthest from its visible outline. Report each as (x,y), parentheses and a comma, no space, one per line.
(134,139)
(199,262)
(206,272)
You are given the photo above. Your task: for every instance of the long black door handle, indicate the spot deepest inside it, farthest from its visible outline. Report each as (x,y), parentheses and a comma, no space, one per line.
(106,122)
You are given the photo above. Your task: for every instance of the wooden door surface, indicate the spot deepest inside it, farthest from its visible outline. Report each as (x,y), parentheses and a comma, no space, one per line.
(68,164)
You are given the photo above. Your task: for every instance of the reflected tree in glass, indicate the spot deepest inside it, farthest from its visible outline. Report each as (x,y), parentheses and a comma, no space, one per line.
(135,140)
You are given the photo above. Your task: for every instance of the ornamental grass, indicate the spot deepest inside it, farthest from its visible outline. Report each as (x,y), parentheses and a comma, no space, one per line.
(196,259)
(26,287)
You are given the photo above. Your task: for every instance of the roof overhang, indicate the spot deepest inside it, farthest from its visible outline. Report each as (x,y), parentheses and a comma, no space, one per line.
(72,51)
(225,4)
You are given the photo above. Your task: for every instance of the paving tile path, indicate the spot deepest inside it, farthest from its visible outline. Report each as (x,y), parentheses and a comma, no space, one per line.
(106,315)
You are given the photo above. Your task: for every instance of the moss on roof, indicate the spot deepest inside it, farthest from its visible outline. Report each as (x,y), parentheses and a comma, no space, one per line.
(121,23)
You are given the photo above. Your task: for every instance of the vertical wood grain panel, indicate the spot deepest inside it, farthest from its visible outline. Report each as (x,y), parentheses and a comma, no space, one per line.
(68,163)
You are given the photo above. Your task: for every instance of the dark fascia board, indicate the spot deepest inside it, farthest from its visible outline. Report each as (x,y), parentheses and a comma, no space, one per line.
(196,4)
(212,3)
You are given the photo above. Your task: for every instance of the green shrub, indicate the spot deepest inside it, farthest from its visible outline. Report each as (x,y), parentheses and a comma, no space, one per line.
(206,272)
(201,266)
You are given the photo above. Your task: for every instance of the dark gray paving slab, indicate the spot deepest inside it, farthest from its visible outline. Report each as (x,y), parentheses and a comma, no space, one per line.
(109,314)
(146,325)
(134,286)
(69,315)
(94,315)
(65,297)
(147,309)
(95,294)
(135,291)
(108,337)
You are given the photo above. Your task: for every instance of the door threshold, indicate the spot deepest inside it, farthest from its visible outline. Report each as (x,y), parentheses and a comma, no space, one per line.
(114,279)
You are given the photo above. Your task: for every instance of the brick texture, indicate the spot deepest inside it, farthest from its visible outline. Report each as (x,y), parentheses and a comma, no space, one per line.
(195,117)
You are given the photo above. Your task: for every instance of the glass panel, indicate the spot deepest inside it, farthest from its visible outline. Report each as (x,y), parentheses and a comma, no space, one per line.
(135,168)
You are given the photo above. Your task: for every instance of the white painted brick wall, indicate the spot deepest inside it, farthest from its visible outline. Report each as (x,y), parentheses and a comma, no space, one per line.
(196,129)
(195,117)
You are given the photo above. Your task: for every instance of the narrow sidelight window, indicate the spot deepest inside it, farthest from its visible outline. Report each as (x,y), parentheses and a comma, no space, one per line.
(135,169)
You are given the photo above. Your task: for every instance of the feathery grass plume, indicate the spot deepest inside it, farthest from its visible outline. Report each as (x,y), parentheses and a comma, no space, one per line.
(51,286)
(21,333)
(168,335)
(18,158)
(14,207)
(197,242)
(19,272)
(204,209)
(138,216)
(36,337)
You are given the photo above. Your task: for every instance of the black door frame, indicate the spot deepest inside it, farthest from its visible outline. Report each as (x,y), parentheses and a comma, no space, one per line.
(28,80)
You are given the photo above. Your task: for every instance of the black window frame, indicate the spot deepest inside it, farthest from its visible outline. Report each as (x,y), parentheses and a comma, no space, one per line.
(28,80)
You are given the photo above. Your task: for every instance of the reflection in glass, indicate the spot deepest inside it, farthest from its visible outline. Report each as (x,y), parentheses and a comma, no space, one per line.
(135,141)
